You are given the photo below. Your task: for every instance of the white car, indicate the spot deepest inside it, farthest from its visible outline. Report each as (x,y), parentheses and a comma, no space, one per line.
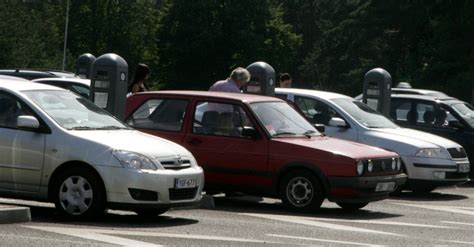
(75,84)
(57,146)
(426,158)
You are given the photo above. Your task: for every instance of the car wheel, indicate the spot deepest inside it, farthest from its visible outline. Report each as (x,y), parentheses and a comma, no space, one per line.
(301,191)
(352,206)
(150,212)
(78,194)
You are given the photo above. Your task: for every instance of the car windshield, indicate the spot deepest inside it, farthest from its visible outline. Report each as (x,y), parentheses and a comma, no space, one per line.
(466,111)
(72,111)
(364,114)
(281,120)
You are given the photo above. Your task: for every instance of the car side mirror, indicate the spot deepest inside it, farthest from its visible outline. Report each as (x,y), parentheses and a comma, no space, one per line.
(320,127)
(27,122)
(455,124)
(337,122)
(251,132)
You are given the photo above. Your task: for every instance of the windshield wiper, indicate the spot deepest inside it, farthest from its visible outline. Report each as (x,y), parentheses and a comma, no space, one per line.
(284,133)
(111,127)
(308,133)
(82,128)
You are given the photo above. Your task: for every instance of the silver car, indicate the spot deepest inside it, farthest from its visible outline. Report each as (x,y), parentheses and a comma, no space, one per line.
(57,146)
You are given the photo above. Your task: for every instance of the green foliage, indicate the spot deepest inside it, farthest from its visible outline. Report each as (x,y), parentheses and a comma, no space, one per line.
(325,44)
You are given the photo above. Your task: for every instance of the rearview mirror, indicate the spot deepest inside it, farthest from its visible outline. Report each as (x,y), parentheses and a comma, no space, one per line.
(337,122)
(27,122)
(320,127)
(251,132)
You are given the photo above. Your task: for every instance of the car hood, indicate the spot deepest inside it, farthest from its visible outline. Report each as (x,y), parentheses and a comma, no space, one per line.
(336,147)
(133,140)
(415,138)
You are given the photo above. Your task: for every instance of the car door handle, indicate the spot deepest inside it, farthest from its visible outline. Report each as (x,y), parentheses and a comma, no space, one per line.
(193,141)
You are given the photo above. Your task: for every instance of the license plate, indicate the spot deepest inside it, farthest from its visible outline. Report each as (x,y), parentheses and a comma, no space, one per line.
(463,168)
(385,187)
(181,183)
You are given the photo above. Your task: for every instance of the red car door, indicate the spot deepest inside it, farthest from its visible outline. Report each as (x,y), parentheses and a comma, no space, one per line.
(229,159)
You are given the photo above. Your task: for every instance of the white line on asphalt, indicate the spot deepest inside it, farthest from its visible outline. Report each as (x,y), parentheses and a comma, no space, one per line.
(311,222)
(458,223)
(459,242)
(319,240)
(102,235)
(30,238)
(381,222)
(92,235)
(452,209)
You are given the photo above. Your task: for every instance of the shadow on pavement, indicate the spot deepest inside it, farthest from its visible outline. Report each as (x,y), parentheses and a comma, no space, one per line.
(433,196)
(45,214)
(249,204)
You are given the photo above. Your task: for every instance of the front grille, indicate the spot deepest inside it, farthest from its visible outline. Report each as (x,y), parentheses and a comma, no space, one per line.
(182,194)
(455,175)
(382,165)
(457,153)
(175,164)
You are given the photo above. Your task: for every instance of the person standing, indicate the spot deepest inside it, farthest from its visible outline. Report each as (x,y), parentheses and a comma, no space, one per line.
(285,80)
(138,83)
(238,78)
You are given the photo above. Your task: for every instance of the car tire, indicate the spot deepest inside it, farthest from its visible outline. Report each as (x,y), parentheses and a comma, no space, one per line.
(351,206)
(150,212)
(301,191)
(79,194)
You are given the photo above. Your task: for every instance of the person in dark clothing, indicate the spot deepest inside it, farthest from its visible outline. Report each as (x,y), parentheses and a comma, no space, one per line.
(138,84)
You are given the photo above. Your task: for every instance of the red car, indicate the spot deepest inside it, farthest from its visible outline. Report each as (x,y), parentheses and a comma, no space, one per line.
(260,145)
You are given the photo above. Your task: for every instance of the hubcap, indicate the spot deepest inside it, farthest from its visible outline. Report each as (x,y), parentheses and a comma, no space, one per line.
(299,191)
(75,195)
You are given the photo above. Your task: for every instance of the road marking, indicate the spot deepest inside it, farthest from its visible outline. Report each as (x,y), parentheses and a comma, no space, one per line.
(30,238)
(312,222)
(103,236)
(459,242)
(93,234)
(458,223)
(451,209)
(319,240)
(381,222)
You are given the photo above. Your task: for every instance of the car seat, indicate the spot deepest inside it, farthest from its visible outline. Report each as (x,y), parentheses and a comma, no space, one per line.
(440,116)
(209,121)
(412,116)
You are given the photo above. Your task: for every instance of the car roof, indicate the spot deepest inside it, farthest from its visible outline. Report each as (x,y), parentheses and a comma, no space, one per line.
(417,91)
(86,82)
(244,97)
(21,85)
(35,73)
(316,93)
(423,97)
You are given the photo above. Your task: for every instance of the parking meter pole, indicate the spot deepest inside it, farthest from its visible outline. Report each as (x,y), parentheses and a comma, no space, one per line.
(109,82)
(84,65)
(262,79)
(377,90)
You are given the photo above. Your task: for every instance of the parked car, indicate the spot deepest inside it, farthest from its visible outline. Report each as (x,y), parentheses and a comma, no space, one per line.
(444,116)
(57,146)
(415,91)
(429,160)
(261,145)
(31,74)
(75,84)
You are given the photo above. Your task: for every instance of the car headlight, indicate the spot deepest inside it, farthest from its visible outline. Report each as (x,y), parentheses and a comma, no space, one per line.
(360,167)
(431,153)
(370,166)
(134,160)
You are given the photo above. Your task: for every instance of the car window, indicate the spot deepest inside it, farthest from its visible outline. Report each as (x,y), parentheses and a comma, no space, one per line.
(466,111)
(315,111)
(160,114)
(10,109)
(363,114)
(399,110)
(220,119)
(81,90)
(425,112)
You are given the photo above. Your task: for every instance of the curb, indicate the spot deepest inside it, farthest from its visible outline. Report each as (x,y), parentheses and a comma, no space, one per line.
(12,214)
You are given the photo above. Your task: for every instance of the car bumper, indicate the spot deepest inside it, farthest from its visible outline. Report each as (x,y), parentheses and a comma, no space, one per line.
(129,188)
(362,189)
(436,172)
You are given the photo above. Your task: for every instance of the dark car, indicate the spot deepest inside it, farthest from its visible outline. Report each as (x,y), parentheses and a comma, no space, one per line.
(31,74)
(443,116)
(261,145)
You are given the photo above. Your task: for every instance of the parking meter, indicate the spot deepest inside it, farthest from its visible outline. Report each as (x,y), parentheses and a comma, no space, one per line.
(377,90)
(84,65)
(109,83)
(262,79)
